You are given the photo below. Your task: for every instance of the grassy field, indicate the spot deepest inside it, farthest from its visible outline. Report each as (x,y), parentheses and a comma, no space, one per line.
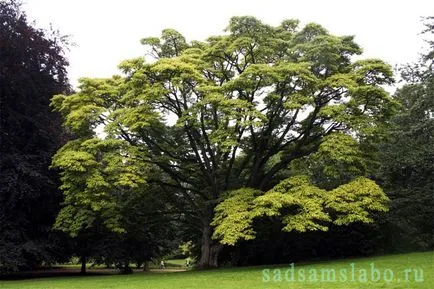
(265,276)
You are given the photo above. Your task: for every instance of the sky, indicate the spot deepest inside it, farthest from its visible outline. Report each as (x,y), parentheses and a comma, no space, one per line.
(105,32)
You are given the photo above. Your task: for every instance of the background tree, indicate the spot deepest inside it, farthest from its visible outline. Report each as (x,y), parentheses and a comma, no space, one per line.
(223,120)
(115,216)
(32,70)
(408,157)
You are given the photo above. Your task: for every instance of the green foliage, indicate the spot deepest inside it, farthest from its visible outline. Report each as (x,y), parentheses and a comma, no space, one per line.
(110,208)
(338,160)
(354,201)
(186,249)
(300,205)
(234,217)
(339,152)
(297,201)
(96,174)
(172,43)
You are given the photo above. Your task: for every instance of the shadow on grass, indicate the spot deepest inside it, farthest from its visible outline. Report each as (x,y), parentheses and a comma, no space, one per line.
(57,272)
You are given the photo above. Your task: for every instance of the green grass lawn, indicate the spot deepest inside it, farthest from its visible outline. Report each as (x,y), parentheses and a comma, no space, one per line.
(256,277)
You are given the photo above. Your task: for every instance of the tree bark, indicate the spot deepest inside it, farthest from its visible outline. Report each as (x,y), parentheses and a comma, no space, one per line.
(83,264)
(210,249)
(126,269)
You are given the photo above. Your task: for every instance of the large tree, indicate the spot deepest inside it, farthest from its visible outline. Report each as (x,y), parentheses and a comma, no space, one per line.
(224,119)
(32,69)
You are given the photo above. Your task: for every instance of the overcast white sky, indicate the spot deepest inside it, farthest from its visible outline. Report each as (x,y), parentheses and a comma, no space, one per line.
(108,31)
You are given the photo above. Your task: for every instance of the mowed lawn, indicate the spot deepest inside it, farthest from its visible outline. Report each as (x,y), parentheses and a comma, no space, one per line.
(352,270)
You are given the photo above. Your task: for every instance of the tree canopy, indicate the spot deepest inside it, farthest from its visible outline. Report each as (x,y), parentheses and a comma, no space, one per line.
(32,70)
(222,123)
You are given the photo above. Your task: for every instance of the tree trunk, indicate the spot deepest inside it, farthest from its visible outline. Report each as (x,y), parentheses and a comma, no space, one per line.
(145,266)
(210,249)
(126,269)
(83,264)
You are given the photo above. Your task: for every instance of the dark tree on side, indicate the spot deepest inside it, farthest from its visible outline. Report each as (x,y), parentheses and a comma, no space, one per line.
(408,157)
(32,70)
